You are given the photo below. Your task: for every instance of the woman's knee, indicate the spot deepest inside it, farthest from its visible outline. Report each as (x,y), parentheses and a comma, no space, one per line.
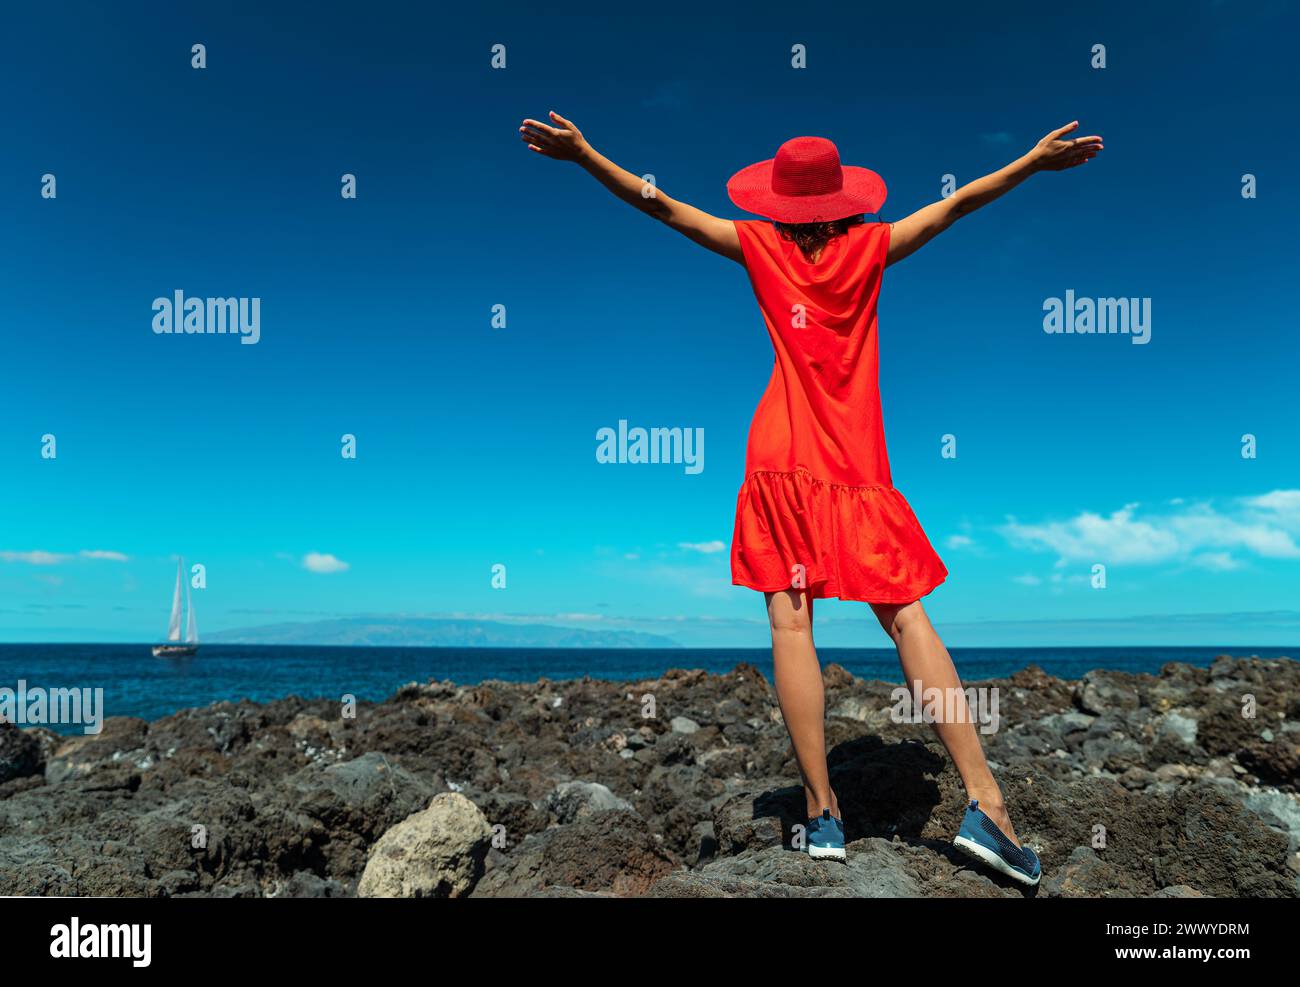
(789,611)
(899,619)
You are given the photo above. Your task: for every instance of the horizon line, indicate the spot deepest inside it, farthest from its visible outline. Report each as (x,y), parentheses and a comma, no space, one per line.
(678,647)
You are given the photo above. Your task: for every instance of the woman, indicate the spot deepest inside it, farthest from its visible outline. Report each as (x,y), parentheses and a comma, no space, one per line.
(818,515)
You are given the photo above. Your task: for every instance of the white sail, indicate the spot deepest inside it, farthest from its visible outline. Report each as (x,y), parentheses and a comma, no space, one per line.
(191,625)
(174,625)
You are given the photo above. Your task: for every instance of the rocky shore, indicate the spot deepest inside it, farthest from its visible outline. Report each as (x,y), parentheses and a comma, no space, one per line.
(1179,784)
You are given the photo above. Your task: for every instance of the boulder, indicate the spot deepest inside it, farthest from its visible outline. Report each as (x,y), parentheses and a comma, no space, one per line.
(20,753)
(573,800)
(436,853)
(757,821)
(1101,691)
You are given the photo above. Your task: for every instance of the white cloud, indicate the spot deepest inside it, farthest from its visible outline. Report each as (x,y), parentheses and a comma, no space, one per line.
(1282,501)
(1203,534)
(33,558)
(959,541)
(58,558)
(99,553)
(323,562)
(706,547)
(1026,580)
(1217,561)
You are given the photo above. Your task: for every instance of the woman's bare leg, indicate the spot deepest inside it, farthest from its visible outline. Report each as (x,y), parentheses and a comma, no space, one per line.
(925,659)
(801,694)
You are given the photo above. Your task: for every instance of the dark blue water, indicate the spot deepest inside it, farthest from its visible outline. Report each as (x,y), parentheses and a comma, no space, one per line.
(137,684)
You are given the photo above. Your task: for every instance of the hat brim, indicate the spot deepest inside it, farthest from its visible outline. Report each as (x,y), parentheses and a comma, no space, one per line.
(751,189)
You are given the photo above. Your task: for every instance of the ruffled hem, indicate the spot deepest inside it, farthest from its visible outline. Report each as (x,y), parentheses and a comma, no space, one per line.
(854,543)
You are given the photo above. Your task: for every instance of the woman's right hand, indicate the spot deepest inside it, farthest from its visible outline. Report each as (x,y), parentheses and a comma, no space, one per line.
(1056,153)
(563,142)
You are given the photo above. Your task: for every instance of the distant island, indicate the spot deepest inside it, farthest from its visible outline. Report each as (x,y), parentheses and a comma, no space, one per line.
(436,632)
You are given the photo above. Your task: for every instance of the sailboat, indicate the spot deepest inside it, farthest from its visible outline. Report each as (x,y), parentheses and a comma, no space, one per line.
(177,649)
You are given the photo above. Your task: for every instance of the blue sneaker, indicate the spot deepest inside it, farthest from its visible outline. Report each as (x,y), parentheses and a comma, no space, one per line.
(981,839)
(826,836)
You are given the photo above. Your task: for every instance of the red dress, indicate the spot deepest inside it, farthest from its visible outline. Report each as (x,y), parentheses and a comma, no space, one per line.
(818,509)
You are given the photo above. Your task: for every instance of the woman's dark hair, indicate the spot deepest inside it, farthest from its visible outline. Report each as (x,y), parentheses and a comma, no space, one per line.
(811,237)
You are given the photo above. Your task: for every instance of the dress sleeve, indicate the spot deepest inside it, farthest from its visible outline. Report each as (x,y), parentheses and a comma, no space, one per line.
(879,247)
(864,265)
(751,234)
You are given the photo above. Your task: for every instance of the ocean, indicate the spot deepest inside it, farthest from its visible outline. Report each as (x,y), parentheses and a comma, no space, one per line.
(137,684)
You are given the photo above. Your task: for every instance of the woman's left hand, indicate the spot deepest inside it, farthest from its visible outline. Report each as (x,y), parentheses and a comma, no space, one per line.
(563,143)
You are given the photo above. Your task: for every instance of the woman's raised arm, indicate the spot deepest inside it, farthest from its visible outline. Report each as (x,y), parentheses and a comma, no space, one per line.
(1052,153)
(564,142)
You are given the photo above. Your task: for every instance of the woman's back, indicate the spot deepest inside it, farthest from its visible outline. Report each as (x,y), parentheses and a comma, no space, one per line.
(821,412)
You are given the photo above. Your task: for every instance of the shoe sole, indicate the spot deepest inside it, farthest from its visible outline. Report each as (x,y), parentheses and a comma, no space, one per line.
(826,853)
(987,856)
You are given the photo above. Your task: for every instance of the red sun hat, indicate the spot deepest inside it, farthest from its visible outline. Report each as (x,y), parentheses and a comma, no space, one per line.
(805,183)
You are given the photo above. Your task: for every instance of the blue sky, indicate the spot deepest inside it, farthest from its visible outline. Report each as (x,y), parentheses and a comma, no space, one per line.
(476,446)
